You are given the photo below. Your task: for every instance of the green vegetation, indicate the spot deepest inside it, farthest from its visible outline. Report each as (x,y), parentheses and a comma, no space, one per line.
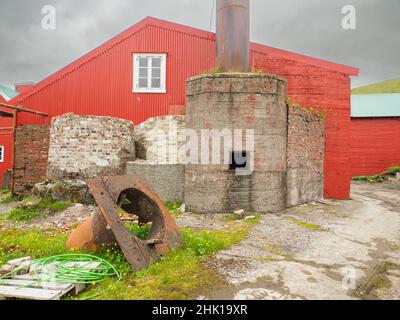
(180,275)
(16,243)
(394,169)
(371,179)
(320,114)
(32,208)
(174,208)
(215,71)
(379,177)
(389,86)
(304,224)
(141,232)
(258,71)
(9,198)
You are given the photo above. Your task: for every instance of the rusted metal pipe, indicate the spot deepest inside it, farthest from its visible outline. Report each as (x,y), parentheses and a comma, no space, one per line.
(233,35)
(21,109)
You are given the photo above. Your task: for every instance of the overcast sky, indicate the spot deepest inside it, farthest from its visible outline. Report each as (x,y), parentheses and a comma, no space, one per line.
(312,27)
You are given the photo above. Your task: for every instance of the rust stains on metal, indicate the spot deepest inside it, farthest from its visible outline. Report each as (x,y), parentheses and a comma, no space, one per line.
(135,197)
(91,235)
(233,35)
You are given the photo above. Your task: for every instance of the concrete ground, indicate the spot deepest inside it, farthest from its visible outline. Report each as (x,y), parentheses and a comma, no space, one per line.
(324,250)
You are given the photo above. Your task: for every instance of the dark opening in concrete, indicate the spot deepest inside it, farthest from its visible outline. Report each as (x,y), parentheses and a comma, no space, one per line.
(239,160)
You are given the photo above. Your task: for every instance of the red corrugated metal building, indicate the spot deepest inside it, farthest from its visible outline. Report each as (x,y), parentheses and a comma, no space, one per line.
(101,83)
(375,133)
(6,135)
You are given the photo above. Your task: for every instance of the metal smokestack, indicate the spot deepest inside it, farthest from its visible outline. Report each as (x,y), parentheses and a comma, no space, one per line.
(233,35)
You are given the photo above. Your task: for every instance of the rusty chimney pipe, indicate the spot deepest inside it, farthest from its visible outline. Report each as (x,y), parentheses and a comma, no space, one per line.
(233,35)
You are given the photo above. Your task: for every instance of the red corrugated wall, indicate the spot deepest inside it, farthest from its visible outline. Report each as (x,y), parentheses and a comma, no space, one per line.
(329,92)
(6,139)
(375,145)
(103,86)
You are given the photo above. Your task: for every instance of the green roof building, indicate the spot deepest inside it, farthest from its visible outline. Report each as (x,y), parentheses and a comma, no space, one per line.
(7,93)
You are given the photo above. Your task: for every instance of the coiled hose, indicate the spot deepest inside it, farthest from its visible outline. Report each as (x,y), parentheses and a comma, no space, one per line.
(64,269)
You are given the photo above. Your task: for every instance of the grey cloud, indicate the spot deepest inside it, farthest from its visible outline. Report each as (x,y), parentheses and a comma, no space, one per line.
(311,27)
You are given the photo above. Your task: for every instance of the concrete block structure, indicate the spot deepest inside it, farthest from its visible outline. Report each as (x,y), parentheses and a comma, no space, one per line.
(239,101)
(167,180)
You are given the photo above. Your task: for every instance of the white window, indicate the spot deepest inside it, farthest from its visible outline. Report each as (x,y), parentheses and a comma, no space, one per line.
(1,153)
(149,72)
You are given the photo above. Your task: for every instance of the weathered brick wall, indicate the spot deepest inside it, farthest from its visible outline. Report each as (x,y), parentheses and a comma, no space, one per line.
(158,134)
(306,149)
(87,146)
(31,153)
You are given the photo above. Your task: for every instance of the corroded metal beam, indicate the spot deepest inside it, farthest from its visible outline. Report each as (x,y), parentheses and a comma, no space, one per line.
(109,193)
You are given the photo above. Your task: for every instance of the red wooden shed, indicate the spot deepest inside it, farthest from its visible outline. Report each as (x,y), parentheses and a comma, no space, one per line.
(107,81)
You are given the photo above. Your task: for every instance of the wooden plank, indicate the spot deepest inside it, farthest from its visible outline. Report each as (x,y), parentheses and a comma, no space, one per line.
(33,283)
(30,293)
(76,288)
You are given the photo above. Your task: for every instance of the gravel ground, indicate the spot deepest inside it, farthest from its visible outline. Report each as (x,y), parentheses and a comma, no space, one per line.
(66,220)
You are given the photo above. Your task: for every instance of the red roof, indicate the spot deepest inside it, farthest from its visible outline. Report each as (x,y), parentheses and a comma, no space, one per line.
(178,28)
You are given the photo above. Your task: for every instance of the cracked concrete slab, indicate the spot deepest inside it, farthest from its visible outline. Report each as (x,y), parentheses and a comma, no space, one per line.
(323,250)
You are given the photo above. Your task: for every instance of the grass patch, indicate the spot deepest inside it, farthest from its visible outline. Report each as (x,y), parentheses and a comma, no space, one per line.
(9,198)
(371,179)
(394,169)
(304,224)
(391,171)
(141,232)
(389,86)
(32,208)
(174,208)
(16,243)
(180,275)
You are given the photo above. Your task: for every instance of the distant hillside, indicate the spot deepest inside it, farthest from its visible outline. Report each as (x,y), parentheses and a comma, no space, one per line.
(389,86)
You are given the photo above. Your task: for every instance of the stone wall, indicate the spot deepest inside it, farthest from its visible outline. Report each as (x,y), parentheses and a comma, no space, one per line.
(158,134)
(31,153)
(167,180)
(306,149)
(87,146)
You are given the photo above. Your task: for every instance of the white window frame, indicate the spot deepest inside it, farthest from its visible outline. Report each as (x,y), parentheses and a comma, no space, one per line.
(2,153)
(163,73)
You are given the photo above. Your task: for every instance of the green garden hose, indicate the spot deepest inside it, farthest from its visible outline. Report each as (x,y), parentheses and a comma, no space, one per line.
(62,269)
